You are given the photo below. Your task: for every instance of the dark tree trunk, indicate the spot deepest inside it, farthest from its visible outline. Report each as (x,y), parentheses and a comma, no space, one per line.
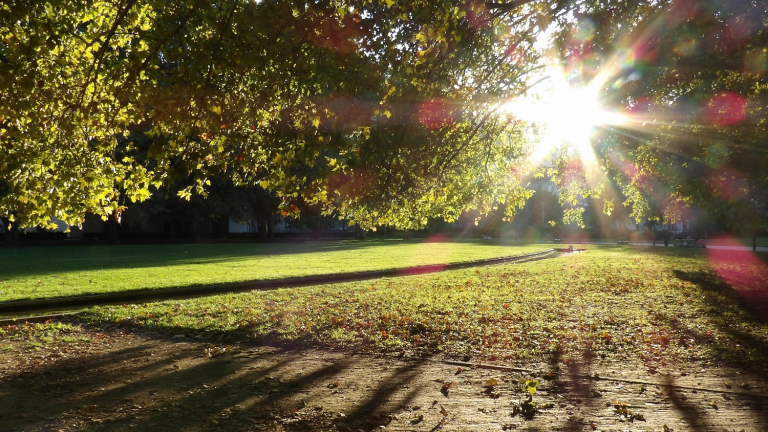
(196,235)
(262,225)
(112,223)
(271,227)
(11,233)
(222,227)
(172,231)
(360,233)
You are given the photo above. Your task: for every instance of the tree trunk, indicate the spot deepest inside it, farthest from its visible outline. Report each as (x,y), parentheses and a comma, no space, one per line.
(360,233)
(112,223)
(223,227)
(754,243)
(262,226)
(196,235)
(172,228)
(11,233)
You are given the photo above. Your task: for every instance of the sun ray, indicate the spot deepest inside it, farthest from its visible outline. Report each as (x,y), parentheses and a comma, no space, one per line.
(569,116)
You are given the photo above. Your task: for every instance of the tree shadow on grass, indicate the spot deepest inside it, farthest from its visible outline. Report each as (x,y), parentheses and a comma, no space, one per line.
(600,399)
(733,309)
(42,261)
(735,294)
(117,270)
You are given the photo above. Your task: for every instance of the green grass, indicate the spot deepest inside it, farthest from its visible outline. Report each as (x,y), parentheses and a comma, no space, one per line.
(37,273)
(742,241)
(658,305)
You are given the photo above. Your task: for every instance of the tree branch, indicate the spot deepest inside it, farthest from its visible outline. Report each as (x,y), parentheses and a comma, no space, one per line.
(506,7)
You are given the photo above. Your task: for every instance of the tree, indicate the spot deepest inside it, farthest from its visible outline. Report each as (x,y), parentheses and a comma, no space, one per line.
(381,112)
(403,92)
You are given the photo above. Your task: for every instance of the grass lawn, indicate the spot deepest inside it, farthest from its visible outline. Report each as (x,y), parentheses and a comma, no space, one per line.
(680,336)
(36,273)
(738,241)
(657,305)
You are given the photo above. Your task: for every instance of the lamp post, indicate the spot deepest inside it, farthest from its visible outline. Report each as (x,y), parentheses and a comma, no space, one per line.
(754,228)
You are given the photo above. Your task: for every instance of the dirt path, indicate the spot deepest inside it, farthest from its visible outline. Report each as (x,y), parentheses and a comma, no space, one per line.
(126,382)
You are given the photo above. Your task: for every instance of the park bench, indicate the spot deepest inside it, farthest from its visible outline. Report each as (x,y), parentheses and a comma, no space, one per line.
(623,242)
(689,242)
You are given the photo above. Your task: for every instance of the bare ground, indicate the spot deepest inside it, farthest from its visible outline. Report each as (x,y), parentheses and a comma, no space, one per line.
(117,381)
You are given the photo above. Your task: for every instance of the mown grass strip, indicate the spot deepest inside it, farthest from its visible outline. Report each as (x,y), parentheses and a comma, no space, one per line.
(20,308)
(39,273)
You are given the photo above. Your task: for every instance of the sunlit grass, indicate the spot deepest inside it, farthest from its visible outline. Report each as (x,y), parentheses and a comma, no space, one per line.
(661,306)
(34,273)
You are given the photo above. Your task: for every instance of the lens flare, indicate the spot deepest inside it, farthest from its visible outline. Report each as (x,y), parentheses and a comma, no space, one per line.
(744,272)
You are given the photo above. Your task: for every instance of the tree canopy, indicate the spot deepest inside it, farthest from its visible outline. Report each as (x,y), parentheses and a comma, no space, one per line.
(691,79)
(382,112)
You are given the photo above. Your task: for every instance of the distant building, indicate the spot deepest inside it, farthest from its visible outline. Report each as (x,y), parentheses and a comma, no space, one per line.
(544,184)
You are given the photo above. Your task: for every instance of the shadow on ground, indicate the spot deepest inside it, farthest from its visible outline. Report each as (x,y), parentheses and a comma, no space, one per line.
(154,383)
(179,386)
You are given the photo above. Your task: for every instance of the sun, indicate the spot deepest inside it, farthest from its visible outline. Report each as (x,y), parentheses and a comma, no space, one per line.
(565,114)
(570,114)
